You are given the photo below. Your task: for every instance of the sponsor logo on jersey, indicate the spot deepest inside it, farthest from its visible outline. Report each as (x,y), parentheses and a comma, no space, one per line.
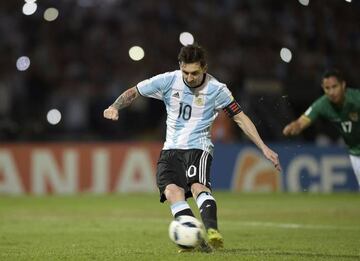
(354,116)
(176,95)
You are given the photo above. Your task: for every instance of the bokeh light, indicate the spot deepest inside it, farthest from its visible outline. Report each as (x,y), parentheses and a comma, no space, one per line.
(29,8)
(136,53)
(23,63)
(53,116)
(51,14)
(285,54)
(186,38)
(304,2)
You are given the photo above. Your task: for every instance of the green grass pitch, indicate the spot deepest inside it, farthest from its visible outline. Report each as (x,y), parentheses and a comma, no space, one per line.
(134,227)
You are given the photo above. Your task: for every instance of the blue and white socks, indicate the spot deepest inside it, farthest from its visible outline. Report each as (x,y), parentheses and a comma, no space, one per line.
(181,208)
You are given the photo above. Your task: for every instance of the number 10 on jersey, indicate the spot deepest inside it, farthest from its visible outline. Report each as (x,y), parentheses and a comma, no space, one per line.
(185,111)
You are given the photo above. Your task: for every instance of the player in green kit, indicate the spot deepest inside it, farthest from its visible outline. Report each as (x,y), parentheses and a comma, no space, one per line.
(339,105)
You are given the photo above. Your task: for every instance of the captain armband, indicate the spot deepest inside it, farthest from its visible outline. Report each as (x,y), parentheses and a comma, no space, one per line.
(232,109)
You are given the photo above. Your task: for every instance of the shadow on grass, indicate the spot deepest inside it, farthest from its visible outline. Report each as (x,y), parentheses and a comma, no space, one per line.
(272,252)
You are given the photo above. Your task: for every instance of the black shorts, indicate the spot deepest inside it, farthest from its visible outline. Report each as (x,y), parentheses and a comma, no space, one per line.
(183,168)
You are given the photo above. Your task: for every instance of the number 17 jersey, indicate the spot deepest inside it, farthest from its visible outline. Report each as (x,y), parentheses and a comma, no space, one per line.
(190,111)
(346,118)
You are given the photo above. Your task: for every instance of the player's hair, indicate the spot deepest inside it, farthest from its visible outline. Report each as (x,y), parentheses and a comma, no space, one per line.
(333,73)
(192,54)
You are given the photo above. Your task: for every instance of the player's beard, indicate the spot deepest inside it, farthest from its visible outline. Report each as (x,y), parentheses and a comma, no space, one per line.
(195,83)
(337,99)
(192,84)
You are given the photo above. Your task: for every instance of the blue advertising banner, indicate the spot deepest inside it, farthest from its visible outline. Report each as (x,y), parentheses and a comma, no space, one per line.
(100,168)
(305,168)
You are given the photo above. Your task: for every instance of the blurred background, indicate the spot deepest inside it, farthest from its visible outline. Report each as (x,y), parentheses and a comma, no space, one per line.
(73,56)
(62,62)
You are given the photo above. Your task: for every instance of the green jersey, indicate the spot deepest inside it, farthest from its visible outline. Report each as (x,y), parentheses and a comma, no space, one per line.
(346,118)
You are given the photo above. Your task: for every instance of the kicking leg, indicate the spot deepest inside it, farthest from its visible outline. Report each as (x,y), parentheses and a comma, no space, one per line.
(176,197)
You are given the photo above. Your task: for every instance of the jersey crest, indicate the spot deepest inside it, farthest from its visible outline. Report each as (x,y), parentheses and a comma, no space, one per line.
(199,101)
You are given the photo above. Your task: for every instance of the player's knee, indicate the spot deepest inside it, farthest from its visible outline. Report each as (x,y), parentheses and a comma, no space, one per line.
(174,193)
(197,188)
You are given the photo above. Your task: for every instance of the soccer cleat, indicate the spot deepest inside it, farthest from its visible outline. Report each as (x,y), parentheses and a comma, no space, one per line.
(203,246)
(186,250)
(216,240)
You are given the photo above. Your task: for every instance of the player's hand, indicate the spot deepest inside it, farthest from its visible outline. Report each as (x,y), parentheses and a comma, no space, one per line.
(292,129)
(272,156)
(111,113)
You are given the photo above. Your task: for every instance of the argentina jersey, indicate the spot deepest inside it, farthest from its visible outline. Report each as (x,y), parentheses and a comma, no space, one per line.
(190,111)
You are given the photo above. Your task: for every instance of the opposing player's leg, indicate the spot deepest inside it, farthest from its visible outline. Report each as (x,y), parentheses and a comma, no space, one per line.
(198,174)
(355,162)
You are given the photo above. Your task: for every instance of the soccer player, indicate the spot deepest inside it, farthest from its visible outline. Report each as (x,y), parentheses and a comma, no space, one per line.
(339,105)
(193,99)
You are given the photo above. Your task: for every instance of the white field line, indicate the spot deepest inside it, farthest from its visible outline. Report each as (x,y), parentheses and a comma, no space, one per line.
(116,219)
(262,224)
(291,225)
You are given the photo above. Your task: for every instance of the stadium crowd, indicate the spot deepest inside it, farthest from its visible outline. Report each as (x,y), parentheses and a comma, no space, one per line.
(80,61)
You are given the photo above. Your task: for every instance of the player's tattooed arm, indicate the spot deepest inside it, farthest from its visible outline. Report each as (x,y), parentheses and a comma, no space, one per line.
(126,98)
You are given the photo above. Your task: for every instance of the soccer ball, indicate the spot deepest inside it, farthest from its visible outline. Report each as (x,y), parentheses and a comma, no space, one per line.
(186,231)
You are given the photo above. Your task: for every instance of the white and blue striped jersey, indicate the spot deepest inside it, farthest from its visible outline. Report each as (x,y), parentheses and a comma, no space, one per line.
(190,111)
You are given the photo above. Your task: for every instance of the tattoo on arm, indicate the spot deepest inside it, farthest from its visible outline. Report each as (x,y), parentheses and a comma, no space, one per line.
(126,98)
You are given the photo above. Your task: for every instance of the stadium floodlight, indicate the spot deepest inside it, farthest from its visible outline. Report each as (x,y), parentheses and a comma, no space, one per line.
(30,1)
(349,1)
(186,38)
(29,8)
(53,116)
(136,53)
(285,54)
(304,2)
(23,63)
(51,14)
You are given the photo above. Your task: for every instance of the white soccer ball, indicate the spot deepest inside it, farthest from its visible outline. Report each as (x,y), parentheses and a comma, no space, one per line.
(186,231)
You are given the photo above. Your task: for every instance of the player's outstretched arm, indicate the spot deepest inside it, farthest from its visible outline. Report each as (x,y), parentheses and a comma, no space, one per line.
(297,126)
(249,129)
(124,100)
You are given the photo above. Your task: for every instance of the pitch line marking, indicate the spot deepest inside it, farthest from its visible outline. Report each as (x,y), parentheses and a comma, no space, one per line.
(293,225)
